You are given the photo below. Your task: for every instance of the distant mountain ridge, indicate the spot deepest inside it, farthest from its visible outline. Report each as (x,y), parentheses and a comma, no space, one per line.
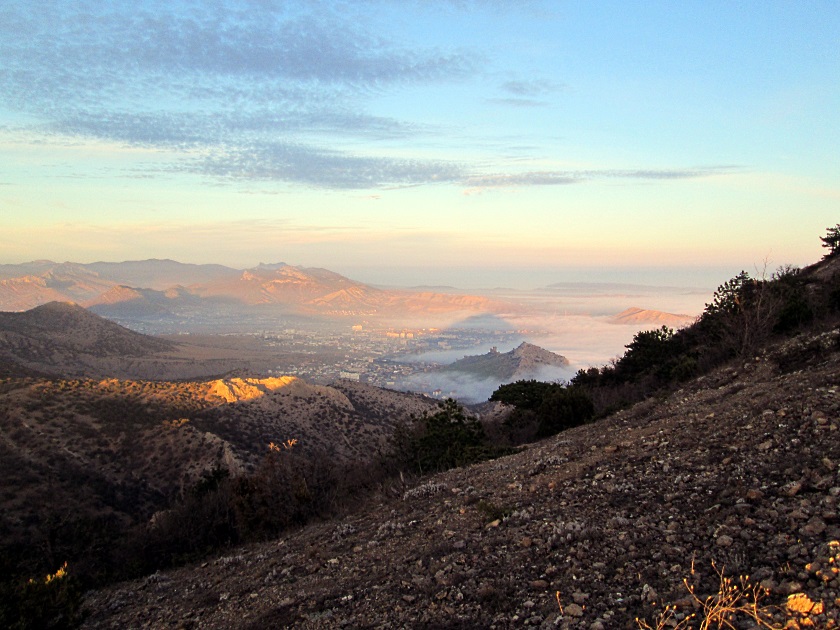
(636,316)
(166,288)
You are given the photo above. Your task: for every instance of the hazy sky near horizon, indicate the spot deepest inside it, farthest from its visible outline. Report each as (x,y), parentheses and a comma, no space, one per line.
(431,142)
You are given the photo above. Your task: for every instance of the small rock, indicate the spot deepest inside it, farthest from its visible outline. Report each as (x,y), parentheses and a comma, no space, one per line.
(769,585)
(724,541)
(579,597)
(791,489)
(801,603)
(814,527)
(754,494)
(539,584)
(573,610)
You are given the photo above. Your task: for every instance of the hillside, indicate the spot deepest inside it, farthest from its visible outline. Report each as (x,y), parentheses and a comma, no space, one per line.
(94,458)
(740,467)
(66,336)
(346,421)
(65,340)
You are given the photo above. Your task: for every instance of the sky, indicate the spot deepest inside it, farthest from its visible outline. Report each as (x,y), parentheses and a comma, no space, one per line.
(471,143)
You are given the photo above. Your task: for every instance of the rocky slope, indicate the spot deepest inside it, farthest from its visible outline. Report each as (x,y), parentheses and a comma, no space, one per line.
(589,529)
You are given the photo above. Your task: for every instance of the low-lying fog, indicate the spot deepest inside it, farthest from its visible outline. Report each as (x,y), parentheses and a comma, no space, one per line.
(573,320)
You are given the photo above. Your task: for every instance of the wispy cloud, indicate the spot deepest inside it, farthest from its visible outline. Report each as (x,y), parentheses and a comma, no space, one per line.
(564,178)
(527,93)
(318,167)
(518,102)
(245,82)
(531,88)
(248,91)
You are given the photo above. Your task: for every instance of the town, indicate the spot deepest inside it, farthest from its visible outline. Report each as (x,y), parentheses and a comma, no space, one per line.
(383,357)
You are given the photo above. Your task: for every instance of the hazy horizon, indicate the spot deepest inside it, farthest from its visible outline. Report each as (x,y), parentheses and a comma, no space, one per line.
(492,279)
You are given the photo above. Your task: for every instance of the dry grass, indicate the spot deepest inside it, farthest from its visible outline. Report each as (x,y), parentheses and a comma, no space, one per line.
(736,603)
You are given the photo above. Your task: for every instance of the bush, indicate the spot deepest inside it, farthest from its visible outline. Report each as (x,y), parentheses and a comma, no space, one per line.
(528,395)
(563,409)
(443,440)
(53,602)
(543,409)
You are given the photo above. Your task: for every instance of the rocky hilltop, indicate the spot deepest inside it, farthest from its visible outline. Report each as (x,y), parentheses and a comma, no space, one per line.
(737,472)
(524,361)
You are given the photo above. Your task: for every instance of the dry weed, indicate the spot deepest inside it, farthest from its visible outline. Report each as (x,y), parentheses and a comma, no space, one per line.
(735,601)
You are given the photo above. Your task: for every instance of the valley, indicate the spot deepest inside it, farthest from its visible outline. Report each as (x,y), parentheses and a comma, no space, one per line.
(126,454)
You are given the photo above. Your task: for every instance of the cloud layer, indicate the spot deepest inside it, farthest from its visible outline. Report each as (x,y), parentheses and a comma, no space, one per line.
(252,90)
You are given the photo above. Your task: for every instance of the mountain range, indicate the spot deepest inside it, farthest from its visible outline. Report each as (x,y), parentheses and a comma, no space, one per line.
(165,290)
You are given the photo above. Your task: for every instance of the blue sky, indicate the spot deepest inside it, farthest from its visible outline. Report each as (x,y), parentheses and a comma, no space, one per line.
(463,142)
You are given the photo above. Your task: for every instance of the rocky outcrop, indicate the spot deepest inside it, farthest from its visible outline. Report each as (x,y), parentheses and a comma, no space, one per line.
(524,361)
(236,389)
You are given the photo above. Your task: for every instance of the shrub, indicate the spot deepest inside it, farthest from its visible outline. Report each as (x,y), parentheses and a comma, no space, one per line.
(563,409)
(53,602)
(443,440)
(736,602)
(523,394)
(543,409)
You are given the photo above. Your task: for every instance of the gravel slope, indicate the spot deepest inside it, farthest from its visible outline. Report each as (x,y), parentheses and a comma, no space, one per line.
(739,468)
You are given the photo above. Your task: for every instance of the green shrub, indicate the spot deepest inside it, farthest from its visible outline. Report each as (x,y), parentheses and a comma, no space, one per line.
(563,409)
(443,440)
(528,395)
(543,409)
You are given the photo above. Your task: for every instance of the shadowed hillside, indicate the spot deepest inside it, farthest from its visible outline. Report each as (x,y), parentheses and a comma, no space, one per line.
(63,339)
